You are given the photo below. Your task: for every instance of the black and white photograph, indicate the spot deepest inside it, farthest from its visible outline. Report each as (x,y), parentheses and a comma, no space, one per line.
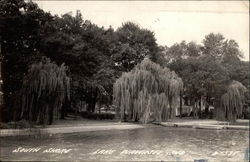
(124,80)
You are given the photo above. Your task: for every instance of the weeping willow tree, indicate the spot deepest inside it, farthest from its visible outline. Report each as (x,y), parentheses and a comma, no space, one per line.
(44,90)
(148,91)
(232,101)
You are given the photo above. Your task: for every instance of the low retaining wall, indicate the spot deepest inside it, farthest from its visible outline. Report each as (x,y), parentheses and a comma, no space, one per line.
(203,125)
(55,130)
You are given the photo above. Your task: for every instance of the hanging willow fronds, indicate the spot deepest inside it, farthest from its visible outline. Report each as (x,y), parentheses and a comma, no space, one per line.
(44,89)
(147,91)
(232,101)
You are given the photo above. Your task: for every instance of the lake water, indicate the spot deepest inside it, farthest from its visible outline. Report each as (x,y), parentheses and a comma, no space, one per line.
(152,143)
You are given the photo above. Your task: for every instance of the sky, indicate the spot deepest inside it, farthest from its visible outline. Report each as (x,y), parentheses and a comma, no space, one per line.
(171,21)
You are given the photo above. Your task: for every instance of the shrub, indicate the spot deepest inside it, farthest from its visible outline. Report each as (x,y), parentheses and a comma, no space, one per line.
(96,116)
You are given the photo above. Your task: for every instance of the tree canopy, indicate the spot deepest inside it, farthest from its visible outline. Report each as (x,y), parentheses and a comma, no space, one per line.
(92,54)
(232,101)
(44,91)
(96,57)
(147,89)
(208,68)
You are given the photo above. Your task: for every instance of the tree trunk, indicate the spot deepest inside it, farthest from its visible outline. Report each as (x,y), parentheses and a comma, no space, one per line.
(207,105)
(99,108)
(51,115)
(217,110)
(194,111)
(64,108)
(206,108)
(180,104)
(194,108)
(170,112)
(63,111)
(200,104)
(94,99)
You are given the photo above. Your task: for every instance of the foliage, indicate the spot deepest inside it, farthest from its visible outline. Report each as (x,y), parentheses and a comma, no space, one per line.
(213,45)
(182,50)
(147,89)
(21,30)
(208,68)
(224,50)
(86,49)
(44,90)
(202,76)
(134,43)
(100,116)
(17,125)
(232,101)
(96,57)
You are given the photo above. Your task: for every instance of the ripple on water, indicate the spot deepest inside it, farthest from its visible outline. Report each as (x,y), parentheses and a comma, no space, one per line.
(197,144)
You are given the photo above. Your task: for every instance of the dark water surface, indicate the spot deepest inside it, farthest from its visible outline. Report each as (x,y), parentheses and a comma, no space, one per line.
(171,144)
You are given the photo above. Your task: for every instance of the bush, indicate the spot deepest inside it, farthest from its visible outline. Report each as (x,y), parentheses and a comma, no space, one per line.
(96,116)
(4,126)
(208,115)
(246,115)
(16,125)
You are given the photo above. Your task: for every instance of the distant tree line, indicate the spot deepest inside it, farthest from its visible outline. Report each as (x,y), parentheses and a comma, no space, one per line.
(208,69)
(85,60)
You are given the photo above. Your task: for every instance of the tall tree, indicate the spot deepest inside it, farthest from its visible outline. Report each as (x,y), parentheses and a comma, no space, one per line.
(133,44)
(183,50)
(86,50)
(21,28)
(147,89)
(207,69)
(44,91)
(232,102)
(213,45)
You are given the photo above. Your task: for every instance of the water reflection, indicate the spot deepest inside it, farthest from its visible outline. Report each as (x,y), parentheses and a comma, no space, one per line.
(197,144)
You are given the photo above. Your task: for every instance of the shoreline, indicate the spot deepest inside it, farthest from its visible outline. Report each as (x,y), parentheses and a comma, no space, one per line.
(205,124)
(70,129)
(90,125)
(64,130)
